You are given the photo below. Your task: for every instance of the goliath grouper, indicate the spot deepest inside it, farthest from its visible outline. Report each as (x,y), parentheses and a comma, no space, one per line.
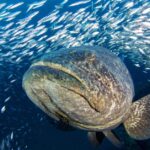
(89,88)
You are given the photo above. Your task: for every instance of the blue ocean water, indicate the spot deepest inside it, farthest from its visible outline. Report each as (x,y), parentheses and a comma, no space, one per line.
(29,29)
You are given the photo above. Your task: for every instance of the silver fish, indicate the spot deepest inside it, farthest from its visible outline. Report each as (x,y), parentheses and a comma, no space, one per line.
(13,6)
(36,5)
(80,3)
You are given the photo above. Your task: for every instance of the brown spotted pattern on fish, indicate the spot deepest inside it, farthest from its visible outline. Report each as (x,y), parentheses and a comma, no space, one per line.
(83,86)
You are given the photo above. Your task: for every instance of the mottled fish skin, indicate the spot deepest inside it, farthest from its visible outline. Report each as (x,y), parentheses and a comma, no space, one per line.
(81,86)
(138,123)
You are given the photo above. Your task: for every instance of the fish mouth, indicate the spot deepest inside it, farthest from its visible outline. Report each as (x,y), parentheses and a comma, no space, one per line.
(43,81)
(63,95)
(61,69)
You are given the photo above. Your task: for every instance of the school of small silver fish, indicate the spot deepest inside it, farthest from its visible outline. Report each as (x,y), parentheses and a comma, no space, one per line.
(30,29)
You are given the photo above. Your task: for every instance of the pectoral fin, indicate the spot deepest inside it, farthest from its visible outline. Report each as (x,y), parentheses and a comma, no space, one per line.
(112,137)
(95,138)
(138,123)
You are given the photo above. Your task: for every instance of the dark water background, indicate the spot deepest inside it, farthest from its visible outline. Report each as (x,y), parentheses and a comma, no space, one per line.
(24,126)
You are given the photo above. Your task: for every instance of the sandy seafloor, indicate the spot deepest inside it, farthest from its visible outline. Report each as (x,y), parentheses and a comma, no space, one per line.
(32,28)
